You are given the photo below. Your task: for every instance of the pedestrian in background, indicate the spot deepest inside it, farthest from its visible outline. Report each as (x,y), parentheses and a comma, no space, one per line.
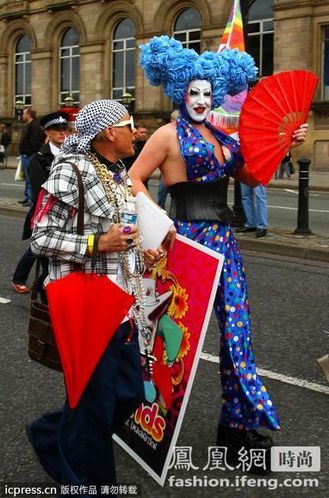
(286,167)
(31,141)
(55,126)
(254,202)
(5,142)
(141,136)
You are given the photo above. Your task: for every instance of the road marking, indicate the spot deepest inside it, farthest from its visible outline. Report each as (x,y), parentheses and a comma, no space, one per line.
(296,209)
(276,376)
(13,184)
(291,191)
(4,300)
(296,192)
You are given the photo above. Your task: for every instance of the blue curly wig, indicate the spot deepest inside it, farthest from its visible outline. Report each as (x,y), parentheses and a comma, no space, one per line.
(167,63)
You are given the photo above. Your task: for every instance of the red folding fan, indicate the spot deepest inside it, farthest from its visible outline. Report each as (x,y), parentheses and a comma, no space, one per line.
(273,110)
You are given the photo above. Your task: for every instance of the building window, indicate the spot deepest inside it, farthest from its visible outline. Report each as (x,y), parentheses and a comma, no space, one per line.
(123,60)
(261,35)
(23,70)
(325,64)
(69,60)
(187,29)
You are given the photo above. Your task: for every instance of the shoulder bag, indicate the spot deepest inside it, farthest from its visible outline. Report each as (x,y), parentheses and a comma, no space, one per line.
(41,343)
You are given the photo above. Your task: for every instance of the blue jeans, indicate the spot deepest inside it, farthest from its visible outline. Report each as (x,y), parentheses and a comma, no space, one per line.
(26,161)
(75,446)
(256,214)
(162,194)
(24,267)
(284,169)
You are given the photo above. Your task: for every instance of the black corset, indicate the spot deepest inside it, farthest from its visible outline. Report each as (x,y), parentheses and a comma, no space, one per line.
(200,201)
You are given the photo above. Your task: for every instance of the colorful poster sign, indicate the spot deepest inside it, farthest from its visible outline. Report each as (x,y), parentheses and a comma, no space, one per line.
(180,293)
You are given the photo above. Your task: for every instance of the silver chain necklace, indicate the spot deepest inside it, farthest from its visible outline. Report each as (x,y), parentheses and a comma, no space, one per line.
(117,186)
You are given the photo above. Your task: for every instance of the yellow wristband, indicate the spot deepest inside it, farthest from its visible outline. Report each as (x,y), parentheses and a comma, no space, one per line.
(90,244)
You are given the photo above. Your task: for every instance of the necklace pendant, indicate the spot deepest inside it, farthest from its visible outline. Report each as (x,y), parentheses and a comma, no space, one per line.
(117,178)
(149,361)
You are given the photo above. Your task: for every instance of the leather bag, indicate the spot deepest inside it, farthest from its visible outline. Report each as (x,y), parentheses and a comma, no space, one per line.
(41,342)
(42,345)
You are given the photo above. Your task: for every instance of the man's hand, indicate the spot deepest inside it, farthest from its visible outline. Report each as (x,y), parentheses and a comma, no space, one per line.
(153,256)
(299,136)
(169,240)
(118,238)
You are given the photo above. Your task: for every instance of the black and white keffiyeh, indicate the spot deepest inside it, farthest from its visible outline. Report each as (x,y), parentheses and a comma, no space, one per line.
(91,120)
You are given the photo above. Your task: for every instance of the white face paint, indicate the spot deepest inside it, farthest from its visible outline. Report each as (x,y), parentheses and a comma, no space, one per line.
(198,99)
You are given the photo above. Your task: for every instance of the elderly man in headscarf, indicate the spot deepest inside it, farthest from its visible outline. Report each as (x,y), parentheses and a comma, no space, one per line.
(75,446)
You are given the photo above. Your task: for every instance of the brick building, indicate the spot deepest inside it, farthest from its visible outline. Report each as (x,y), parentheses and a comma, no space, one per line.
(84,49)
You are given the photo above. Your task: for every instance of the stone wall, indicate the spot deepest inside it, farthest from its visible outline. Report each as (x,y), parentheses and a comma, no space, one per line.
(297,42)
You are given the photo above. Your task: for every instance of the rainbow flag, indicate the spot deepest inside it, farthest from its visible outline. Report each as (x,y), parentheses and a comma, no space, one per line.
(226,117)
(233,35)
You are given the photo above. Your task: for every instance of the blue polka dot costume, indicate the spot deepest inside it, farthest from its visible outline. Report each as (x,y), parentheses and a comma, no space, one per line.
(246,402)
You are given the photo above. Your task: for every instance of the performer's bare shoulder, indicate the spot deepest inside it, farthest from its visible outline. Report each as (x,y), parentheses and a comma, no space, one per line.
(161,151)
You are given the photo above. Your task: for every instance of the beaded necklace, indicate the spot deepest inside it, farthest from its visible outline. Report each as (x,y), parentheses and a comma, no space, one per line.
(117,186)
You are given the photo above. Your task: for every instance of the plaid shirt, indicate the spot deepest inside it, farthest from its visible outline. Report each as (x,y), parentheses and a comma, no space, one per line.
(55,232)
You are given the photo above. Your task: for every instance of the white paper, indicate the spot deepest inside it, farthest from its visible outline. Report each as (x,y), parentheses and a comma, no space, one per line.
(154,223)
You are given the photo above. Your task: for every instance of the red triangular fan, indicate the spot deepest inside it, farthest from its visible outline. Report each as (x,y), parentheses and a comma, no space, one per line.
(273,110)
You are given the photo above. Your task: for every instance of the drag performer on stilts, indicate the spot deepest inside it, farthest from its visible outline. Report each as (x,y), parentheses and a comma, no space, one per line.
(196,161)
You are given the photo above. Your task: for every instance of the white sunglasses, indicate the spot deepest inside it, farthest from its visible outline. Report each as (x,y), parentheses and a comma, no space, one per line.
(125,123)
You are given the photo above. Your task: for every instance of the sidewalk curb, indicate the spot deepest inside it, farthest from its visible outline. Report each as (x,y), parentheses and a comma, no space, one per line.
(311,188)
(284,249)
(17,212)
(266,246)
(273,183)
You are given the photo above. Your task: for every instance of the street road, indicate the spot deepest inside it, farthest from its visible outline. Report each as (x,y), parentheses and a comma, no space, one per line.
(289,303)
(282,203)
(282,206)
